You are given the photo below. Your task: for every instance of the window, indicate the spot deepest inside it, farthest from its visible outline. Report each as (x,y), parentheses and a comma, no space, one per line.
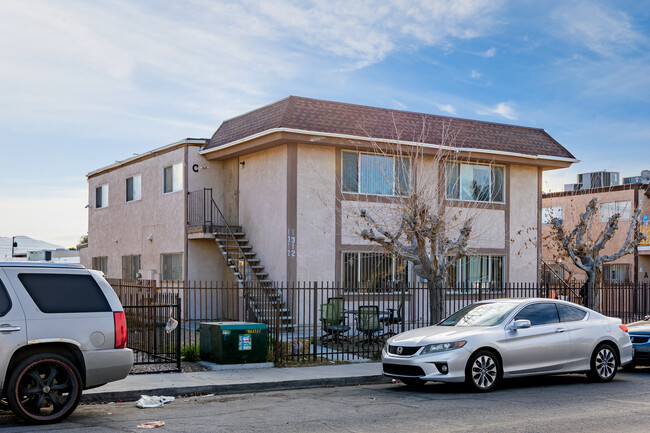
(134,188)
(172,267)
(100,264)
(539,314)
(374,270)
(570,314)
(65,293)
(475,182)
(173,178)
(550,212)
(5,301)
(607,210)
(101,196)
(477,272)
(131,267)
(616,273)
(370,173)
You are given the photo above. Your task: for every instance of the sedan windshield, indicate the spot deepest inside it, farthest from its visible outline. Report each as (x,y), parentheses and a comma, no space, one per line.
(490,314)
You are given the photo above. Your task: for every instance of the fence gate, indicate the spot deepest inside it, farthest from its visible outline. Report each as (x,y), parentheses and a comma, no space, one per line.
(151,337)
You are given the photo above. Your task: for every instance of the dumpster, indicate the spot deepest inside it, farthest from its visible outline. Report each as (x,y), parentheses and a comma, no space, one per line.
(233,342)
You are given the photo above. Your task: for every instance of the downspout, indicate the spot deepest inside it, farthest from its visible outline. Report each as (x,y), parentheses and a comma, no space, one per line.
(185,197)
(636,234)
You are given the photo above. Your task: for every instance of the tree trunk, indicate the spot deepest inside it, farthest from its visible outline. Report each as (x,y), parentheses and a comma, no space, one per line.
(436,301)
(594,282)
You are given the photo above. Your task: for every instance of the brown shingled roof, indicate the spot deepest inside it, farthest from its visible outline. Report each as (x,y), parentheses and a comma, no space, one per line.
(315,115)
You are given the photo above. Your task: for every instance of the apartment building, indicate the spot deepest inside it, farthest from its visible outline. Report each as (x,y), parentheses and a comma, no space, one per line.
(273,194)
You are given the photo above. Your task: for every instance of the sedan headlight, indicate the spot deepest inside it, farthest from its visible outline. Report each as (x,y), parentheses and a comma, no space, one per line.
(442,347)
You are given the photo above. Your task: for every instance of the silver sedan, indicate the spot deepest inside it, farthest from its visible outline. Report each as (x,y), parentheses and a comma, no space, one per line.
(488,341)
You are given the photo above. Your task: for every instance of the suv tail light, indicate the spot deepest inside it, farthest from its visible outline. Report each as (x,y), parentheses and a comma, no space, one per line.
(623,328)
(120,329)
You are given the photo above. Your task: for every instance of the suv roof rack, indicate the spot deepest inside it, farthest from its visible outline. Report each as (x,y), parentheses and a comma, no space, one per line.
(37,264)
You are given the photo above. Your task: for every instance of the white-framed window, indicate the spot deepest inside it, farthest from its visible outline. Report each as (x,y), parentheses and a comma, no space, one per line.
(475,182)
(374,270)
(372,173)
(477,272)
(134,188)
(101,196)
(550,212)
(172,267)
(607,210)
(173,178)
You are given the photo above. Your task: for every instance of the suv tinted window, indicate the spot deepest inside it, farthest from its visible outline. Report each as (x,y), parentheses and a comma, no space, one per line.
(5,302)
(60,293)
(570,314)
(539,314)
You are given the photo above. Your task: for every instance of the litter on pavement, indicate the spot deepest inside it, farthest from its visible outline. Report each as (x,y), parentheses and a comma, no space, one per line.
(151,424)
(147,401)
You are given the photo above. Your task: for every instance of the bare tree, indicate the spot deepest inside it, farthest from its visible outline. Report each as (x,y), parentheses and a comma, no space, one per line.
(424,227)
(585,250)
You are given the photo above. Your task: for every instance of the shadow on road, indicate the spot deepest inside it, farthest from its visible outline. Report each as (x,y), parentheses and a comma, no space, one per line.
(518,383)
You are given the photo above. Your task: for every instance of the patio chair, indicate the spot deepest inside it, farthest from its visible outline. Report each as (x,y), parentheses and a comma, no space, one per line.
(330,321)
(338,303)
(394,317)
(368,324)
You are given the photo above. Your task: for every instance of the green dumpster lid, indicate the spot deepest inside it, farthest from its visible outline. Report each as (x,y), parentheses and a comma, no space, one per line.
(236,325)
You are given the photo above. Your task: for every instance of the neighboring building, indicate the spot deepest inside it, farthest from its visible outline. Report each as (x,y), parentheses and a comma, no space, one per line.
(59,256)
(597,179)
(623,199)
(286,176)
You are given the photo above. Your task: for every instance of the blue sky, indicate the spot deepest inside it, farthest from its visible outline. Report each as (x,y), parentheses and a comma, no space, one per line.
(83,84)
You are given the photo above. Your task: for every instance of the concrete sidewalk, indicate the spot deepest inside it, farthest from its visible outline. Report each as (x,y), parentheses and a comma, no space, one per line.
(237,380)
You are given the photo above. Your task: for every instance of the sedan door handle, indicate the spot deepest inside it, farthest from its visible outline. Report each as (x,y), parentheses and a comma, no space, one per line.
(558,330)
(9,328)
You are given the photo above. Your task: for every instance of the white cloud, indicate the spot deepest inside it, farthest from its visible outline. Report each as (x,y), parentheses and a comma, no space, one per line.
(367,32)
(503,109)
(489,53)
(601,29)
(447,108)
(475,74)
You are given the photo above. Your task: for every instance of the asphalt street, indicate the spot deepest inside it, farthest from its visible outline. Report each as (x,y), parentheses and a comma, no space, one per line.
(567,403)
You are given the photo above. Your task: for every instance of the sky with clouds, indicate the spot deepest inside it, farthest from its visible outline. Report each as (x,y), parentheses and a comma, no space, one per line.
(83,84)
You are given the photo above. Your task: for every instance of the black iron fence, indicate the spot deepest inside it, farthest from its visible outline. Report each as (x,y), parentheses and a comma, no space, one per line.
(324,322)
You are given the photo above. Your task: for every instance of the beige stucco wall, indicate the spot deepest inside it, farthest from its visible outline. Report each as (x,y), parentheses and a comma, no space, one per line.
(316,187)
(206,263)
(263,207)
(523,214)
(151,226)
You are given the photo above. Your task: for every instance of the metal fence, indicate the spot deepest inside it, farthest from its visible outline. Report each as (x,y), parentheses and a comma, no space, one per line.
(324,322)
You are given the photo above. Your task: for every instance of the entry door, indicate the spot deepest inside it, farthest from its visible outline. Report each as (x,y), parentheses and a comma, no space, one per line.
(544,347)
(12,324)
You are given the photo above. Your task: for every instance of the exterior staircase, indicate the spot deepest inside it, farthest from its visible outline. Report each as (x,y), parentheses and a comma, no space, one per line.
(264,301)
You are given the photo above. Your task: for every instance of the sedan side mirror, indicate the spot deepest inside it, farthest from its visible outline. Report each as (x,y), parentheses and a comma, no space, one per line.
(520,324)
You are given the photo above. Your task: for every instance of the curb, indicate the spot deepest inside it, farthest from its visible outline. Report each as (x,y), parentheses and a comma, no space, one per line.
(235,388)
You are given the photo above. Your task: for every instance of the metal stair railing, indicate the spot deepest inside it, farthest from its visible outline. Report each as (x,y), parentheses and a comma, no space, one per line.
(236,259)
(242,267)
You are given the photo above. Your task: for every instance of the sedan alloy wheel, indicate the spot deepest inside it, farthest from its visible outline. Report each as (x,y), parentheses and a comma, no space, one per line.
(483,371)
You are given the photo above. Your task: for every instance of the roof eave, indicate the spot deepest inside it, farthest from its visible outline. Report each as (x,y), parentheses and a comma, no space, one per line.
(116,164)
(560,159)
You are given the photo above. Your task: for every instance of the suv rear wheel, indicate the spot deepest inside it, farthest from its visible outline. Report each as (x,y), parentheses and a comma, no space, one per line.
(44,388)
